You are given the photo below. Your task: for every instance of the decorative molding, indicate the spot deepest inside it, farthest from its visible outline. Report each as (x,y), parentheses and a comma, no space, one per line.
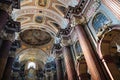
(42,3)
(66,36)
(6,36)
(6,7)
(76,20)
(92,10)
(48,13)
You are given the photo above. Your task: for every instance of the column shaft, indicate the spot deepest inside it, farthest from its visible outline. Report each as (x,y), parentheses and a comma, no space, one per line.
(8,68)
(4,52)
(69,63)
(60,74)
(3,18)
(0,42)
(90,55)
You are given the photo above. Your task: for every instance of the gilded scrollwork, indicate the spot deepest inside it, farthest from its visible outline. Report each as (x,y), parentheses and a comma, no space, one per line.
(43,3)
(77,20)
(7,36)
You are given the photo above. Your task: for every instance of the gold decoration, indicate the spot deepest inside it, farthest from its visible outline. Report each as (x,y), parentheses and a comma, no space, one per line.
(32,59)
(43,3)
(77,20)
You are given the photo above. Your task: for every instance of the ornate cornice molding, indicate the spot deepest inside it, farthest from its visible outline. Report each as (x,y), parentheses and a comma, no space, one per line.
(6,7)
(66,36)
(76,20)
(7,36)
(48,13)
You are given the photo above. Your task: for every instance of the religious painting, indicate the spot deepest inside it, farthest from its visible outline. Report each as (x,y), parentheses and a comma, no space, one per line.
(78,49)
(35,37)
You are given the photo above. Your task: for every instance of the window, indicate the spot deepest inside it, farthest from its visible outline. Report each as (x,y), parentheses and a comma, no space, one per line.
(78,48)
(99,21)
(31,65)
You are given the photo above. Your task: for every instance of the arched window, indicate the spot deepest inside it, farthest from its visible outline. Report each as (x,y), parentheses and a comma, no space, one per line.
(31,65)
(99,21)
(78,48)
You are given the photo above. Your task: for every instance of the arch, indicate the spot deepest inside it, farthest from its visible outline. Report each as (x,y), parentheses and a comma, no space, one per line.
(107,49)
(39,26)
(31,64)
(32,53)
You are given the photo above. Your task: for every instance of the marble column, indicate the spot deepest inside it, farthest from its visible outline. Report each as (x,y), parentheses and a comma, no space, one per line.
(69,63)
(0,42)
(91,57)
(60,73)
(8,68)
(3,18)
(58,60)
(4,52)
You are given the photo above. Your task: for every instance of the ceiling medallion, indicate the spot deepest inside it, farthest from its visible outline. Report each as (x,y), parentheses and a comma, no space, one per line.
(35,37)
(42,3)
(39,19)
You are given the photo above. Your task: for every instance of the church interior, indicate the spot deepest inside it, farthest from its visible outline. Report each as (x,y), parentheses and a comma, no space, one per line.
(59,39)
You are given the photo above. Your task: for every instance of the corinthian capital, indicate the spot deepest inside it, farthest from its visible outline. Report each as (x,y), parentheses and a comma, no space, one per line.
(66,36)
(77,20)
(6,36)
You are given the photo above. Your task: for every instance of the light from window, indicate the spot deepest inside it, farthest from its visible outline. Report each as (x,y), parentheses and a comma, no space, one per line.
(31,65)
(99,21)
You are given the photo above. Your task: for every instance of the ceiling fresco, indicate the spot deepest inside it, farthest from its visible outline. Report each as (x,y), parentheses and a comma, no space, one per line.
(35,37)
(32,54)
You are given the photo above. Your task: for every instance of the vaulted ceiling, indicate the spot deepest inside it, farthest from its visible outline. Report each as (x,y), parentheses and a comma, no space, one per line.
(40,22)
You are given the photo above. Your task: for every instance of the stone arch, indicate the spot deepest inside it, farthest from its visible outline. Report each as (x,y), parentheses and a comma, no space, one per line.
(107,49)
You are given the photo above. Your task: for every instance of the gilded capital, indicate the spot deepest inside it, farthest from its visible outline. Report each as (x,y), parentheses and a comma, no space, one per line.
(65,42)
(77,20)
(7,36)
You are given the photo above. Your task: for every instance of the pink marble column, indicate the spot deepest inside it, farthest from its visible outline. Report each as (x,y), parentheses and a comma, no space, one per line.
(60,73)
(91,58)
(69,64)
